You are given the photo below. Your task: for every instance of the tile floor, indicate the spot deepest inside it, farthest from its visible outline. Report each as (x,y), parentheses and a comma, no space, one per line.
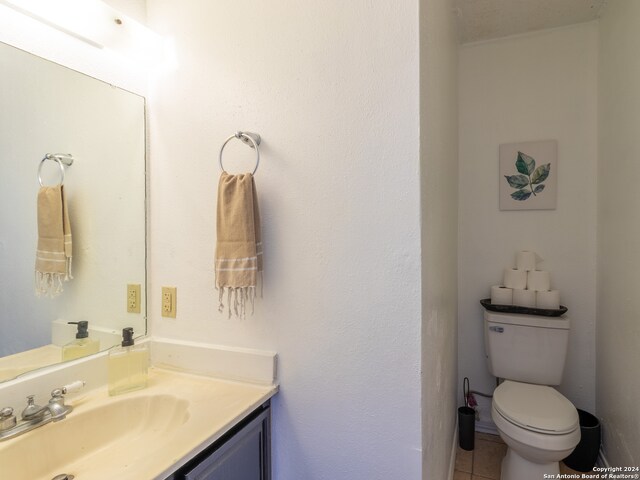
(483,462)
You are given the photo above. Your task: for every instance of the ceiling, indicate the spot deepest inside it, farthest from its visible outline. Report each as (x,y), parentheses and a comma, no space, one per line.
(487,19)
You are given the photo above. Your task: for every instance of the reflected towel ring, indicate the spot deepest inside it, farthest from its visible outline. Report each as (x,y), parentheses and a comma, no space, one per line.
(62,159)
(251,139)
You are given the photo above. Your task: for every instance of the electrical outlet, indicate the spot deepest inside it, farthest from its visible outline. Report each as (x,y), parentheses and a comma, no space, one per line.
(169,301)
(133,298)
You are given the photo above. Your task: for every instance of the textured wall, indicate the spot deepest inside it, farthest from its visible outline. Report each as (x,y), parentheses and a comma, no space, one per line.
(332,87)
(619,234)
(439,195)
(531,87)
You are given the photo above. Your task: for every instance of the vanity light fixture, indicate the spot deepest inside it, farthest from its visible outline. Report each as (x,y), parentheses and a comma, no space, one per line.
(95,23)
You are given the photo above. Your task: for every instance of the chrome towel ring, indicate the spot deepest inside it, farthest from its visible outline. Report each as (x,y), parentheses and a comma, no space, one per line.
(61,159)
(251,139)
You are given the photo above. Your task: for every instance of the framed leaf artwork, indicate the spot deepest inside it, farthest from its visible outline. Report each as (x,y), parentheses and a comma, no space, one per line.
(528,175)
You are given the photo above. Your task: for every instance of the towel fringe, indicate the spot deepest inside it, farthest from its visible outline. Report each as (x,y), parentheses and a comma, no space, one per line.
(49,284)
(237,300)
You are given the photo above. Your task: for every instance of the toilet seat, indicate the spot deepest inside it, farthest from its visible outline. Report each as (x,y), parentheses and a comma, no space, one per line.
(537,408)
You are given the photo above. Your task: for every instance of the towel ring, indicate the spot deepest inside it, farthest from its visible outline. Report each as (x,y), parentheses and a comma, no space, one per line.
(61,159)
(251,139)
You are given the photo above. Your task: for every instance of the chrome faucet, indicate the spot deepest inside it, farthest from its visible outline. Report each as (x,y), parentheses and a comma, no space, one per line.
(56,407)
(34,416)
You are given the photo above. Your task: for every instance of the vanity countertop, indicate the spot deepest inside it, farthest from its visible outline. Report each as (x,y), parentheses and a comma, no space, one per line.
(156,429)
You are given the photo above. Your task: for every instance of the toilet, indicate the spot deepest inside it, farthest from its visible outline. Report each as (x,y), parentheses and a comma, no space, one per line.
(538,424)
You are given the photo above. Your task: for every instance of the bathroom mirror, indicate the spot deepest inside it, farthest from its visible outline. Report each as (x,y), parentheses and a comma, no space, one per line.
(48,108)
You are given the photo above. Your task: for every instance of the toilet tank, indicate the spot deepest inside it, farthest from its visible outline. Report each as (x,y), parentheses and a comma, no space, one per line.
(526,348)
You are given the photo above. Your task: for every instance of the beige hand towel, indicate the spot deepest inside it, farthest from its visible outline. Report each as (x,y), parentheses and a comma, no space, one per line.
(238,258)
(53,256)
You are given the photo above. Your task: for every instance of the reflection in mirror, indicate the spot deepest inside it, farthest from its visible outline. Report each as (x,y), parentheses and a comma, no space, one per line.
(47,108)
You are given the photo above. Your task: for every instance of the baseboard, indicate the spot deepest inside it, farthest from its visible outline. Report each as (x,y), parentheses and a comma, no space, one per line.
(486,427)
(602,460)
(454,451)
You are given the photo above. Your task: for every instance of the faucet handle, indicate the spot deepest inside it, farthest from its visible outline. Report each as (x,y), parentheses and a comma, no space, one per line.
(7,419)
(73,387)
(57,393)
(31,409)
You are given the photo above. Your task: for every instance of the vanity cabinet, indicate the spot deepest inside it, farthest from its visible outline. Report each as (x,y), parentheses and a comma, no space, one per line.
(243,453)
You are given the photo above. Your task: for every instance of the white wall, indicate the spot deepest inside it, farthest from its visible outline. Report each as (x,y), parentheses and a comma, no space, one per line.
(618,333)
(439,193)
(531,87)
(333,89)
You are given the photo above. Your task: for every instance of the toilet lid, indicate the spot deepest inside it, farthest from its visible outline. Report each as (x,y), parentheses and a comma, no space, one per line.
(535,407)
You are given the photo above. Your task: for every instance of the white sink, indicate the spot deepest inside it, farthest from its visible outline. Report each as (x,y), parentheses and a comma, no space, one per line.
(141,435)
(127,422)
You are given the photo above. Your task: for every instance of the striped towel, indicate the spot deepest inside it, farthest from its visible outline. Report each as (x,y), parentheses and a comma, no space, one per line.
(238,258)
(53,256)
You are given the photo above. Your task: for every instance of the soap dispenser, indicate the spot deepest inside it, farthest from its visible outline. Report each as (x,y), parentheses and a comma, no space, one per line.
(82,345)
(127,365)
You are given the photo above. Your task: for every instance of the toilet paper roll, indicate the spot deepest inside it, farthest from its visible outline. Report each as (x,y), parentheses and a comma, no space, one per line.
(549,299)
(526,260)
(524,297)
(501,295)
(514,278)
(538,280)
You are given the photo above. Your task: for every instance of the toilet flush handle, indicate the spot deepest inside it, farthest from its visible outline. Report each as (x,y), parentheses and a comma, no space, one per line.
(496,329)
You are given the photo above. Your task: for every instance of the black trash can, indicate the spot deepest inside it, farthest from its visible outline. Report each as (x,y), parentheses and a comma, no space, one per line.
(466,427)
(585,455)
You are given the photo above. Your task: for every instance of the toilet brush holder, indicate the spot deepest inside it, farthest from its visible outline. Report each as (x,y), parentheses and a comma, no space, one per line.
(466,427)
(466,420)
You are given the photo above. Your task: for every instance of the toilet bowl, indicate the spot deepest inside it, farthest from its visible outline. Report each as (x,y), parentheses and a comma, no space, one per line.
(538,424)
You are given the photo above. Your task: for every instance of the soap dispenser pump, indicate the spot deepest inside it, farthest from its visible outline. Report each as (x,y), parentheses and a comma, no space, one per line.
(127,365)
(82,345)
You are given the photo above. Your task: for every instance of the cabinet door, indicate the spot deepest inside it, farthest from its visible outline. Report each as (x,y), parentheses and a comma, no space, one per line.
(245,456)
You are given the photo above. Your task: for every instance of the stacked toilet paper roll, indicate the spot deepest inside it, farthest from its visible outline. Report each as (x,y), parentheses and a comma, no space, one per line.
(514,278)
(538,280)
(524,298)
(549,299)
(501,295)
(526,260)
(525,286)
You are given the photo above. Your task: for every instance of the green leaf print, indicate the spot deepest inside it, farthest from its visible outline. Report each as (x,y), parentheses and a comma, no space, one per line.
(521,194)
(541,173)
(517,181)
(525,164)
(529,181)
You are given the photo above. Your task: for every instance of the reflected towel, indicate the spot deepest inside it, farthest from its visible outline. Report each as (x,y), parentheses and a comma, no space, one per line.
(53,256)
(238,257)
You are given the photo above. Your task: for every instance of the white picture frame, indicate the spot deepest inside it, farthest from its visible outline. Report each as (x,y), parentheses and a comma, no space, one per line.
(528,175)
